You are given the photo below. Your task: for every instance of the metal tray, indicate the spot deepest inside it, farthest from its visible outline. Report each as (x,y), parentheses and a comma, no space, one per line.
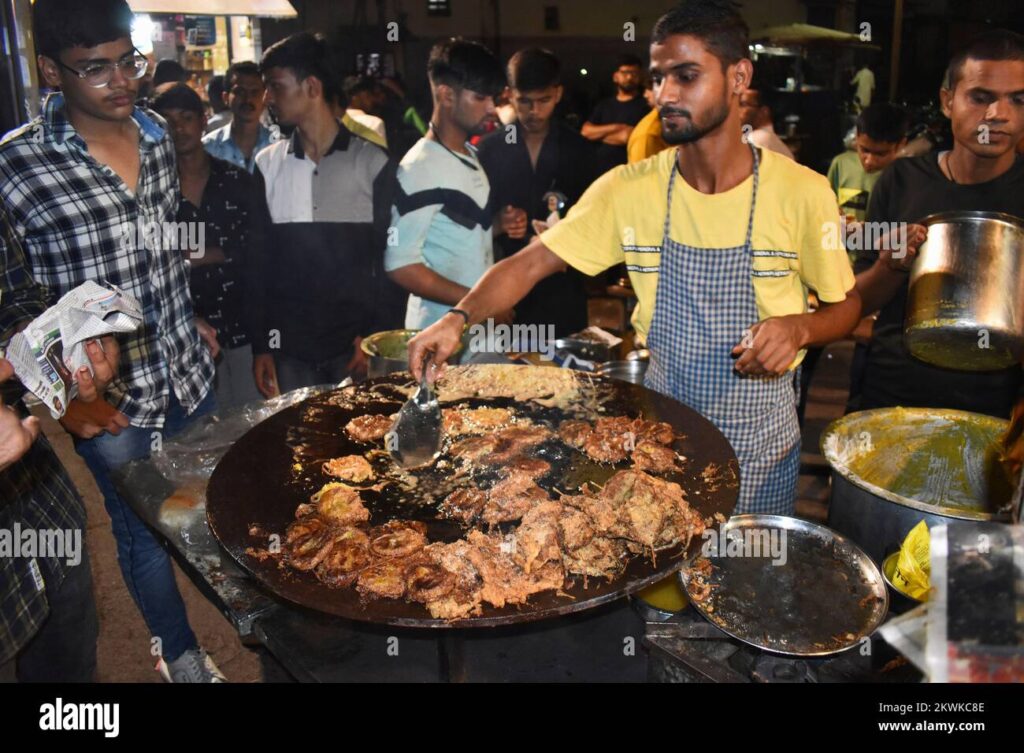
(826,597)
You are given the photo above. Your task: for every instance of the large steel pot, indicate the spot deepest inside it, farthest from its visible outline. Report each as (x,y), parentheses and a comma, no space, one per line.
(894,467)
(964,307)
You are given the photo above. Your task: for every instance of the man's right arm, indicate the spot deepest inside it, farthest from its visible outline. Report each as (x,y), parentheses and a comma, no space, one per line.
(421,280)
(500,289)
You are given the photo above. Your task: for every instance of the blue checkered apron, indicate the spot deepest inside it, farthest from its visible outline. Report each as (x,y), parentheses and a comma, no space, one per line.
(703,307)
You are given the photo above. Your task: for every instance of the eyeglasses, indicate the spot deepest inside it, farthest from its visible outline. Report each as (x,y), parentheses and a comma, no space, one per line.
(98,75)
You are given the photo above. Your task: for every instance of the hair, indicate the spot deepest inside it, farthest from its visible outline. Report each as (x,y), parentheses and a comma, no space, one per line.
(169,71)
(215,91)
(62,24)
(178,97)
(462,64)
(997,44)
(359,84)
(306,54)
(628,58)
(717,23)
(534,68)
(883,121)
(244,68)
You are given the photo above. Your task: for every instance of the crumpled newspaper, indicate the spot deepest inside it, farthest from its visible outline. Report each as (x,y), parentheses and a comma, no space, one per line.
(51,349)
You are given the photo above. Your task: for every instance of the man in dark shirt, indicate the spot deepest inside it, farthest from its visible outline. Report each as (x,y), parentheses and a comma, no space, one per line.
(526,162)
(224,200)
(320,278)
(984,100)
(612,120)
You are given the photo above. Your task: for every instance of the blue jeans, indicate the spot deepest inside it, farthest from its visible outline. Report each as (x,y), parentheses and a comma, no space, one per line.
(145,565)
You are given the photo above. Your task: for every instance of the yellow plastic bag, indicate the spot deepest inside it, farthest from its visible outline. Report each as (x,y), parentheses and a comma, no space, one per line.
(913,571)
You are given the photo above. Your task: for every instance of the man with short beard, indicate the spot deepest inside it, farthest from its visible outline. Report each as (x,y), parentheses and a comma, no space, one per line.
(442,220)
(722,242)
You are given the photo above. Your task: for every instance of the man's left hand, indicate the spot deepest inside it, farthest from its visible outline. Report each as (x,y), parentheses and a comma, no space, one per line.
(770,346)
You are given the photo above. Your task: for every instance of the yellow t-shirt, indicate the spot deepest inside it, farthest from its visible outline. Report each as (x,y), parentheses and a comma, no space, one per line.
(645,139)
(620,219)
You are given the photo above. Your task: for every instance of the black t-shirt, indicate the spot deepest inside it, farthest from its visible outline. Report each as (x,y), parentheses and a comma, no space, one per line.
(229,209)
(909,190)
(565,165)
(610,111)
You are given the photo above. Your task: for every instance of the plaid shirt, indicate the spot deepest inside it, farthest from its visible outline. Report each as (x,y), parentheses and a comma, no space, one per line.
(35,492)
(78,221)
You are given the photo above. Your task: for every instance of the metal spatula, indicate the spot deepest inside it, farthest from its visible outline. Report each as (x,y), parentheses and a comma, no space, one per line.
(415,436)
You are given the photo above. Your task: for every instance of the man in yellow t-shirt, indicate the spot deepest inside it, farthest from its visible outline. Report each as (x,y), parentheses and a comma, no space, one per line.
(722,242)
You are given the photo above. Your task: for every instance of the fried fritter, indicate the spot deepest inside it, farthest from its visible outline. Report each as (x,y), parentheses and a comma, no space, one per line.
(427,580)
(463,504)
(464,599)
(574,527)
(651,456)
(574,433)
(504,581)
(652,512)
(348,555)
(473,449)
(384,579)
(511,498)
(352,468)
(532,468)
(537,537)
(601,557)
(307,541)
(340,504)
(605,448)
(457,422)
(515,441)
(398,538)
(368,428)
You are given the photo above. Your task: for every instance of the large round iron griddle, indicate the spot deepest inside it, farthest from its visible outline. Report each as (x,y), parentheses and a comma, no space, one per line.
(257,486)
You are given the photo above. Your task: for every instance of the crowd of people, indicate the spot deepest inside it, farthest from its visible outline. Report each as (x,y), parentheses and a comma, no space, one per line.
(333,210)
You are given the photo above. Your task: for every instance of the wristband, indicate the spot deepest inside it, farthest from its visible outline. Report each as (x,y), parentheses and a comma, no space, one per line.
(461,313)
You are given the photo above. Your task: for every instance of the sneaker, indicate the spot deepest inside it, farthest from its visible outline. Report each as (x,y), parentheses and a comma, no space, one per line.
(194,665)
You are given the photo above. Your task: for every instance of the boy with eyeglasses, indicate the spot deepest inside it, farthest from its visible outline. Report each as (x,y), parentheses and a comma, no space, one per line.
(83,183)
